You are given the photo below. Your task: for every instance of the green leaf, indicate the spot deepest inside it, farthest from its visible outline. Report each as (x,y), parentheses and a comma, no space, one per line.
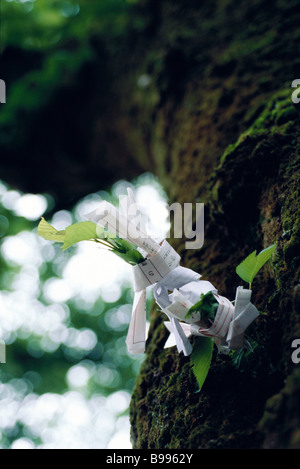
(207,306)
(132,256)
(201,358)
(87,230)
(124,244)
(47,231)
(249,267)
(82,231)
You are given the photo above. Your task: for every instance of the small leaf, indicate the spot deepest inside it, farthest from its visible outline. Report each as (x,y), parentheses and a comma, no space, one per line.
(82,231)
(47,231)
(249,267)
(88,230)
(124,244)
(201,358)
(207,306)
(132,256)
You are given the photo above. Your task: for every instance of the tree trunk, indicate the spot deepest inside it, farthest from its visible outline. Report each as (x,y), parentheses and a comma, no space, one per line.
(203,100)
(222,129)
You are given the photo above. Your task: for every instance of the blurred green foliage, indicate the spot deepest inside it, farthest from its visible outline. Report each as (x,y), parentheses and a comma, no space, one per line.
(44,45)
(45,24)
(76,332)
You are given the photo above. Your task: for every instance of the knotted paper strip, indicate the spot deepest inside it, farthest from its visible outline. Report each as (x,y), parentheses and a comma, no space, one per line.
(229,324)
(162,272)
(244,314)
(161,260)
(147,273)
(156,267)
(223,318)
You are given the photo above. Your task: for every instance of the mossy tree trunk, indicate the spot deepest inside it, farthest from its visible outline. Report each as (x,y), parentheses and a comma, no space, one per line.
(203,100)
(221,128)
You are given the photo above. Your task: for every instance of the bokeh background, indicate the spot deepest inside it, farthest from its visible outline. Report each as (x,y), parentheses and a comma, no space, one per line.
(68,377)
(64,317)
(105,93)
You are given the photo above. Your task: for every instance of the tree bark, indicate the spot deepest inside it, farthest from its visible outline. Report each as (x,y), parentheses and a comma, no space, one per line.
(222,129)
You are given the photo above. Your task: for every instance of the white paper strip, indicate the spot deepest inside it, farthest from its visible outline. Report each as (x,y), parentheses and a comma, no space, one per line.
(145,274)
(245,312)
(107,216)
(179,306)
(162,271)
(238,326)
(242,299)
(174,280)
(223,317)
(156,267)
(183,344)
(192,290)
(136,336)
(231,322)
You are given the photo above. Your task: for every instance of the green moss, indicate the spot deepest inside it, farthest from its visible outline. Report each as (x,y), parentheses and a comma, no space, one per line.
(278,116)
(281,418)
(270,149)
(231,143)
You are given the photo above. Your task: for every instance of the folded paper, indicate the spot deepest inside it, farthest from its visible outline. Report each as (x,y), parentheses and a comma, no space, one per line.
(175,288)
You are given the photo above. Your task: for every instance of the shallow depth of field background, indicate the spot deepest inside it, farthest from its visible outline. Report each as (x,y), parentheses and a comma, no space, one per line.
(64,318)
